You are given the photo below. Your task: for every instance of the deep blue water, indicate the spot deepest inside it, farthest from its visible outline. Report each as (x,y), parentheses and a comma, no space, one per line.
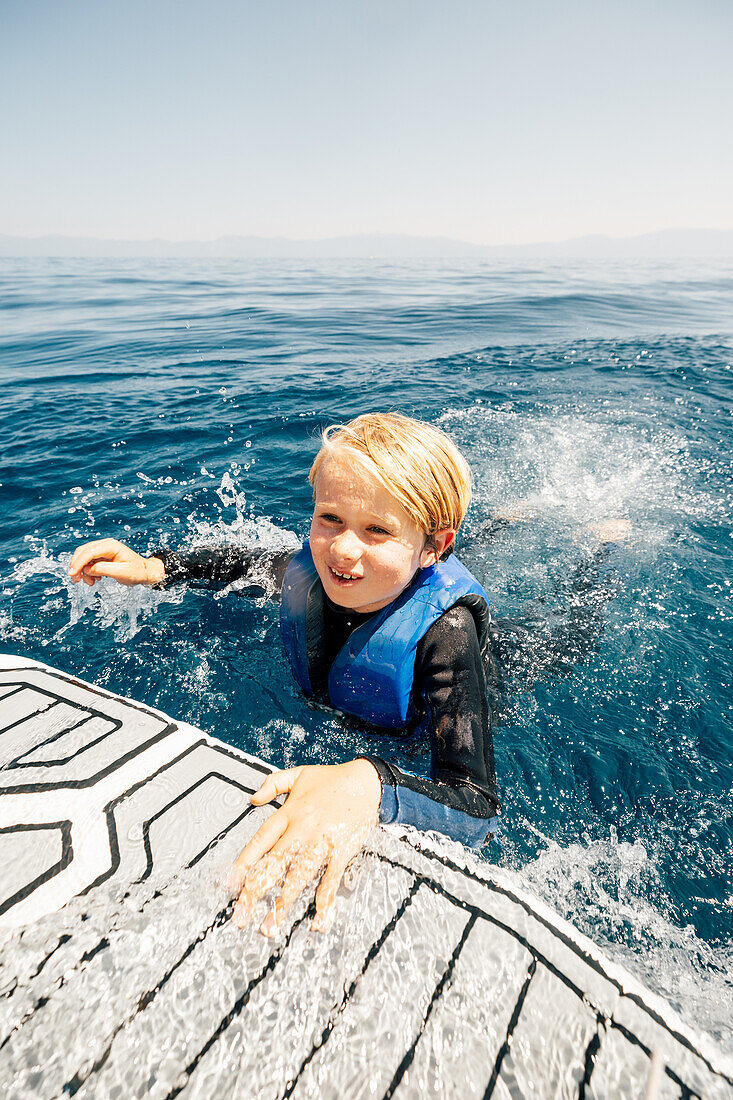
(179,401)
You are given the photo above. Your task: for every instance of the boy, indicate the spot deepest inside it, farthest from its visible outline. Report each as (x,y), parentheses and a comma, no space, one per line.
(379,621)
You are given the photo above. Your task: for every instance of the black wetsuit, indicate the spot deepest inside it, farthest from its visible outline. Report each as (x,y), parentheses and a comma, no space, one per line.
(458,689)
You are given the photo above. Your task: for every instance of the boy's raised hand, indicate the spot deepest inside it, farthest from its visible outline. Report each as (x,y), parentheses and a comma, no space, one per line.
(110,558)
(324,823)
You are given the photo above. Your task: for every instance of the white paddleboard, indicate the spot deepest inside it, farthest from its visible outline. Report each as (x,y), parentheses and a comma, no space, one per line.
(122,975)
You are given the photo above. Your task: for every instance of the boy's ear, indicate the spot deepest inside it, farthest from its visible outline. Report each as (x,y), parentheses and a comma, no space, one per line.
(437,546)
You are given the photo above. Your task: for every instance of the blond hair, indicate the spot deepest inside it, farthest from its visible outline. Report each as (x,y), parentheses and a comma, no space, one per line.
(417,463)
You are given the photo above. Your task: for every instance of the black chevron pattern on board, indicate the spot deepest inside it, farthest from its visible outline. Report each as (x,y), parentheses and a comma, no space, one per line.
(99,723)
(42,694)
(67,854)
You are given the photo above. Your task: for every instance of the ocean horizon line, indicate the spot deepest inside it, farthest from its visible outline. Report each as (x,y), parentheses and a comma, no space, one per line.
(663,244)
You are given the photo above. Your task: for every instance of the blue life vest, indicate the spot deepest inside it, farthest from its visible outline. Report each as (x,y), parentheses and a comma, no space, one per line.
(371,676)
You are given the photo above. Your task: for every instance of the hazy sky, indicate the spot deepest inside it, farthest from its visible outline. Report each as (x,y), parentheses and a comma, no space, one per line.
(493,122)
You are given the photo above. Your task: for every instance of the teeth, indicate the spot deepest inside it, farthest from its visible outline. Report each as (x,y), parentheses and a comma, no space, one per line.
(344,576)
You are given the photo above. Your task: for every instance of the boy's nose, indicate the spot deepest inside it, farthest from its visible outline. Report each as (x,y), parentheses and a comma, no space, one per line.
(345,547)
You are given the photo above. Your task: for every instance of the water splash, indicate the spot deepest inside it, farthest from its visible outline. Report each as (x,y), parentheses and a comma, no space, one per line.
(567,469)
(111,605)
(605,888)
(125,609)
(242,528)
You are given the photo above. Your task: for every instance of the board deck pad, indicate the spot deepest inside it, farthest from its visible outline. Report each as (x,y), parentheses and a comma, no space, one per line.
(122,974)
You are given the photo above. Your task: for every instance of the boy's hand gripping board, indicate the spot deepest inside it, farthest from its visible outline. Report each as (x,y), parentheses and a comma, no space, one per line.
(122,975)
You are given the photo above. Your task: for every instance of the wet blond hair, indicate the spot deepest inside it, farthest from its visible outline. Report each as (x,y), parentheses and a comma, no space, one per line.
(417,463)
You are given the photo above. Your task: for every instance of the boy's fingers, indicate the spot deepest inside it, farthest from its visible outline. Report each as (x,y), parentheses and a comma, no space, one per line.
(266,836)
(297,879)
(78,565)
(276,783)
(103,568)
(263,877)
(80,556)
(87,563)
(351,874)
(326,893)
(90,551)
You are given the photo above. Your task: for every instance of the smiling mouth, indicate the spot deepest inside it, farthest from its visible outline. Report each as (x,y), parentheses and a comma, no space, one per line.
(342,578)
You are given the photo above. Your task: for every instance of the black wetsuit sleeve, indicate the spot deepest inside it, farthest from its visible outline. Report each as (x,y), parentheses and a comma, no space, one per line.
(261,571)
(451,686)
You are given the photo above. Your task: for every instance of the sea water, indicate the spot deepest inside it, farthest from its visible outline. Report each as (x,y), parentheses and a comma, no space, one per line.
(179,403)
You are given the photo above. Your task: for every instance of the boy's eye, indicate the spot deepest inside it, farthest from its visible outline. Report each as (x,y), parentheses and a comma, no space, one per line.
(330,518)
(378,530)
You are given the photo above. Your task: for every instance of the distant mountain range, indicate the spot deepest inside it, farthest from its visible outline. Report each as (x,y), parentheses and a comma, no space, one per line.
(667,243)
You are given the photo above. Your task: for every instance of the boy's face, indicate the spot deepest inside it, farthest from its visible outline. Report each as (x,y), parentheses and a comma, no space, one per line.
(366,547)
